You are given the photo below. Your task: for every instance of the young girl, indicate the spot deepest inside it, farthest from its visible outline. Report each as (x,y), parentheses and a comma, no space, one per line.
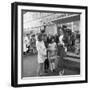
(41,54)
(52,54)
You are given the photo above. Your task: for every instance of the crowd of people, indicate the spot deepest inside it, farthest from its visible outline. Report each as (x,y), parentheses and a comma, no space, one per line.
(29,44)
(51,49)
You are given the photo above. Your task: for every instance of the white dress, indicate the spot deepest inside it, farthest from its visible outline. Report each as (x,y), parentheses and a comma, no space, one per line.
(41,51)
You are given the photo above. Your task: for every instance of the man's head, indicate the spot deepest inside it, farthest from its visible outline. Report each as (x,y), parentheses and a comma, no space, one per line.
(43,29)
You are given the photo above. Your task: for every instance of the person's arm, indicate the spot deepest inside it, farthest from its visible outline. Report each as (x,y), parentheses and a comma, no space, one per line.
(38,46)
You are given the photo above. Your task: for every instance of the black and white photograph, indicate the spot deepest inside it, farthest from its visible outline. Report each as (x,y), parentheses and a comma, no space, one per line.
(51,43)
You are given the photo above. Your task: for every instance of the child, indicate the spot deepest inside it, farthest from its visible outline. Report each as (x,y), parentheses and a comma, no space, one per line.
(52,54)
(41,54)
